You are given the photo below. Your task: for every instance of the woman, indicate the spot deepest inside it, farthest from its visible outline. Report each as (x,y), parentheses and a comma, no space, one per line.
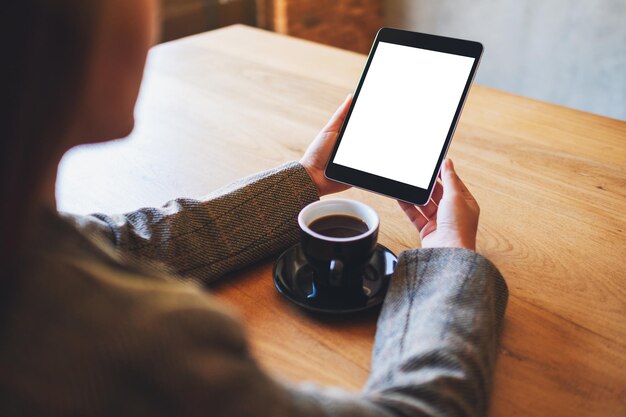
(91,321)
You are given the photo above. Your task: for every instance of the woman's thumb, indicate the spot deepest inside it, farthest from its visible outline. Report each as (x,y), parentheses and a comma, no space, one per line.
(450,179)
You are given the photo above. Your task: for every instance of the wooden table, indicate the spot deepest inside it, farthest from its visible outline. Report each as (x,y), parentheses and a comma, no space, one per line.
(551,183)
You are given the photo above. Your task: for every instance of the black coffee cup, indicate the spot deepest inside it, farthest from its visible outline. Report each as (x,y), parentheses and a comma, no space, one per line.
(343,244)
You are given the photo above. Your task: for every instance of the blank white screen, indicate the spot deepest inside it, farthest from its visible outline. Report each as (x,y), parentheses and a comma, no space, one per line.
(403,113)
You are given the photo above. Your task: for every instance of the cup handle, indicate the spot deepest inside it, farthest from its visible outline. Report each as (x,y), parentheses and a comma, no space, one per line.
(336,272)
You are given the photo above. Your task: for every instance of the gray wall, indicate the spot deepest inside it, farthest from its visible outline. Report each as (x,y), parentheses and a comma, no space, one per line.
(570,52)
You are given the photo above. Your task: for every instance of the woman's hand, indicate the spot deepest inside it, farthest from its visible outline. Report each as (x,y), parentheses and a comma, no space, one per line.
(450,219)
(318,152)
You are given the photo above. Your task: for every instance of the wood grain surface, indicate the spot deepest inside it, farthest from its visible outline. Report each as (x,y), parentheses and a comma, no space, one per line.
(551,183)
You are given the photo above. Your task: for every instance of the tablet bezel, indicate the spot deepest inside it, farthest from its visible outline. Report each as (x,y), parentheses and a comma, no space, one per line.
(385,186)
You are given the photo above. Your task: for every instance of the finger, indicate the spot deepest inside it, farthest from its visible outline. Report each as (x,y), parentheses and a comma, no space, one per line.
(337,119)
(417,218)
(437,192)
(452,183)
(429,210)
(464,190)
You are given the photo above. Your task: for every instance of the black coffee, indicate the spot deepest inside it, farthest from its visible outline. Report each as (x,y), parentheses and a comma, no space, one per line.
(339,225)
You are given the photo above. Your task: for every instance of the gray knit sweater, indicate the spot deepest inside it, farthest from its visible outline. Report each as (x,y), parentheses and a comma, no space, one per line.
(98,325)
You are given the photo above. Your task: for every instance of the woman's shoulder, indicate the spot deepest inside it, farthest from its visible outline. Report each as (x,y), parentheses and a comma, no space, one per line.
(91,287)
(81,328)
(71,307)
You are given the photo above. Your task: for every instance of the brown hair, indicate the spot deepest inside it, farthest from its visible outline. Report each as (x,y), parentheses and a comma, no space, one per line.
(45,62)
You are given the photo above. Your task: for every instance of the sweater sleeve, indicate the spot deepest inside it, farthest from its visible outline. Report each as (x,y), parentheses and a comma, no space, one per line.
(436,341)
(204,239)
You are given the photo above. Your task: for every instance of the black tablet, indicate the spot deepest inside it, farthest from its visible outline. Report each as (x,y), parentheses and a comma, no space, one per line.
(403,114)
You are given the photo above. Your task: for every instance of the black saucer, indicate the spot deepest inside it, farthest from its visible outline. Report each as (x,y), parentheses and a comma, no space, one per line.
(293,278)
